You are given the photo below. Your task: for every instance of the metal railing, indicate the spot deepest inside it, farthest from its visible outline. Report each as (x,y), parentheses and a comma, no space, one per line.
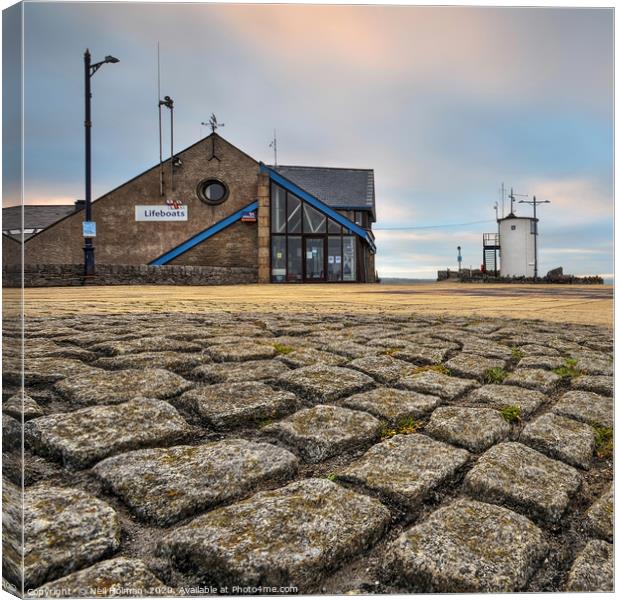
(490,239)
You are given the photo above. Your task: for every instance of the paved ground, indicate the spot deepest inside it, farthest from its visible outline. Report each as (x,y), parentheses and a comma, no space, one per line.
(196,451)
(586,304)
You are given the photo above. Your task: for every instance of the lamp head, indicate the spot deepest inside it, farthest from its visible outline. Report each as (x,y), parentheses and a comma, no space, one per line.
(111,59)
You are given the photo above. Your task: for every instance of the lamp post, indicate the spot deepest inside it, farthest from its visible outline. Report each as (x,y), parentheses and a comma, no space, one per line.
(89,250)
(535,203)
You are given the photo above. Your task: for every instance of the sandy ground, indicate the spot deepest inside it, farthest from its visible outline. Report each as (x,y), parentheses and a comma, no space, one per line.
(572,304)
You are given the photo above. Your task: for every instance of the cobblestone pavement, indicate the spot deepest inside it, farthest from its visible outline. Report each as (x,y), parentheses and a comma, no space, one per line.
(186,453)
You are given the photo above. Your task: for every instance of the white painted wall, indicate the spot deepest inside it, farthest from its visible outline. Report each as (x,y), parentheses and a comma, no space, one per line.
(517,247)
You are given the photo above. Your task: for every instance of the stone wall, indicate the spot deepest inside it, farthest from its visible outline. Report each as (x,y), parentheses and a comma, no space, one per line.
(235,246)
(123,240)
(49,275)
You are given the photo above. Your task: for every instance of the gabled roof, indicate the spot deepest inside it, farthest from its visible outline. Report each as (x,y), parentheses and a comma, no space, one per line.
(36,216)
(337,187)
(296,189)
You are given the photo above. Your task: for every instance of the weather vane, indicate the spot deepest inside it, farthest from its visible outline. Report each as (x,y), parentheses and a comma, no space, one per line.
(214,125)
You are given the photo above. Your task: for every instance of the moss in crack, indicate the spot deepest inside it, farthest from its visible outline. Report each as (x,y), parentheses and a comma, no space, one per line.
(494,375)
(517,353)
(569,369)
(511,413)
(404,426)
(283,349)
(437,368)
(604,441)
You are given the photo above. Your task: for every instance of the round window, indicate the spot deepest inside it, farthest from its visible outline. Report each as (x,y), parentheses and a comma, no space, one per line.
(212,191)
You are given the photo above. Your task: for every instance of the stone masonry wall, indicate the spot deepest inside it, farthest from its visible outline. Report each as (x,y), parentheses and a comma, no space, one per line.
(235,246)
(123,240)
(50,275)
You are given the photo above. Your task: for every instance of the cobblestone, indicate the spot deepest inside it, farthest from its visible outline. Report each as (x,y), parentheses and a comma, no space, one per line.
(252,370)
(200,452)
(472,365)
(227,405)
(593,569)
(405,468)
(320,383)
(117,577)
(64,530)
(501,396)
(600,516)
(587,407)
(512,474)
(467,546)
(392,404)
(288,537)
(164,485)
(601,384)
(437,384)
(22,405)
(84,436)
(110,387)
(322,431)
(534,379)
(561,438)
(473,428)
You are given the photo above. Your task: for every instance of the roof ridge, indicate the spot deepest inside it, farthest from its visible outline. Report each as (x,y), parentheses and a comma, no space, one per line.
(325,168)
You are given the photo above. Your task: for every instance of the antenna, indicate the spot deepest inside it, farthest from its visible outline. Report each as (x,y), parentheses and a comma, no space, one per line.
(161,158)
(496,207)
(512,197)
(503,192)
(535,203)
(274,145)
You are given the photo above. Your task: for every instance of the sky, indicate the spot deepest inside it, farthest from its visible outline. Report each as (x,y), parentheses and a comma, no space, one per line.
(444,104)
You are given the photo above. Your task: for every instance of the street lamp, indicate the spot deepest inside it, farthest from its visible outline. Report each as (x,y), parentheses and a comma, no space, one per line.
(88,226)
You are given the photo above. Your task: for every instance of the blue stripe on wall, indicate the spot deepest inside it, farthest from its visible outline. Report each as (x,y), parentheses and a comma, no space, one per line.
(316,203)
(203,235)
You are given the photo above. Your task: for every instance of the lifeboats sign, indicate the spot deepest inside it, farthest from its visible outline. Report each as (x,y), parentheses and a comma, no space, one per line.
(161,212)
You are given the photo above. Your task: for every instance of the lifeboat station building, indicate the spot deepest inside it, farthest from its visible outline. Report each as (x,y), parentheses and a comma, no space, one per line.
(211,206)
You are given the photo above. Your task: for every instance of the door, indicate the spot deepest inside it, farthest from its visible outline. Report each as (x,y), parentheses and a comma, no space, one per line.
(314,254)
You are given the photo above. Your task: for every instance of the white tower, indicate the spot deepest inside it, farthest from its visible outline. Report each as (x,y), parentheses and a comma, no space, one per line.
(517,238)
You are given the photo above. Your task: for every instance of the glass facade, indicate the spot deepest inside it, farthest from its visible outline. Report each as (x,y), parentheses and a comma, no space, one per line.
(306,245)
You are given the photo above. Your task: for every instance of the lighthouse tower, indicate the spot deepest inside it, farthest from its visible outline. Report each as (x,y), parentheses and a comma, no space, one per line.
(517,239)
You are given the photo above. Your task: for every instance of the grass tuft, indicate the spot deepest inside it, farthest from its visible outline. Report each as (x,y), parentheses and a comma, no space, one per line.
(282,349)
(569,369)
(604,441)
(511,413)
(517,353)
(494,375)
(437,368)
(403,427)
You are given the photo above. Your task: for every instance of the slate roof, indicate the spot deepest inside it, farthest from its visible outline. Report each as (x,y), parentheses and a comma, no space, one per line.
(36,216)
(337,187)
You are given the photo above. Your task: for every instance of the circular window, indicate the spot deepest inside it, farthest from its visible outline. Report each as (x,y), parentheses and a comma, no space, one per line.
(212,191)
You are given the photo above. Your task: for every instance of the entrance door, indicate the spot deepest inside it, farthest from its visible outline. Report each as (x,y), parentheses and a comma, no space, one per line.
(314,259)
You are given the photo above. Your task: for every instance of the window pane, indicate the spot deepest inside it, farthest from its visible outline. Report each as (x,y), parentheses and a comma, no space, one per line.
(333,227)
(294,272)
(294,214)
(314,258)
(278,258)
(334,259)
(348,258)
(278,210)
(358,218)
(314,221)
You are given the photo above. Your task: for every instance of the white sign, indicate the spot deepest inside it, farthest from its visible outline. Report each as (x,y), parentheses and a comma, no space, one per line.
(89,229)
(160,212)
